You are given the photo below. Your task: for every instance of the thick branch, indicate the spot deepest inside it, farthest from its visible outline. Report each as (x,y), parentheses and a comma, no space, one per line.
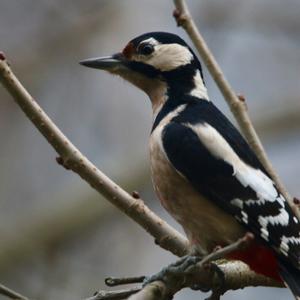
(166,236)
(238,107)
(237,275)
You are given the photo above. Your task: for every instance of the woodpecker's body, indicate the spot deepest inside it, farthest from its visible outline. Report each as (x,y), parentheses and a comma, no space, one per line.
(193,211)
(203,170)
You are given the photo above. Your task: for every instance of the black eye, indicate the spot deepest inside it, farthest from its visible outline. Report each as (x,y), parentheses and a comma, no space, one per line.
(145,49)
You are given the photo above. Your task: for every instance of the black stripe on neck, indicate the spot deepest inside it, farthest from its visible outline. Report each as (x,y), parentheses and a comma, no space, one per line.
(170,105)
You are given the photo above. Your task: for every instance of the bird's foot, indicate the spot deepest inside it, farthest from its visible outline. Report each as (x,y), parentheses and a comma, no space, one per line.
(177,270)
(219,290)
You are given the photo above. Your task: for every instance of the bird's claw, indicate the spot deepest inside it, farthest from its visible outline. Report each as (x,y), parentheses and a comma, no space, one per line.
(177,269)
(220,288)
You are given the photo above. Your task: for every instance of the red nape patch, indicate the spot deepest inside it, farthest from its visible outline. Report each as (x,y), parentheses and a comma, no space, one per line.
(2,56)
(129,50)
(260,259)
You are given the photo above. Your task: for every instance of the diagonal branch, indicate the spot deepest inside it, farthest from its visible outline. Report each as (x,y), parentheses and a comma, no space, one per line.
(236,104)
(71,158)
(114,295)
(9,293)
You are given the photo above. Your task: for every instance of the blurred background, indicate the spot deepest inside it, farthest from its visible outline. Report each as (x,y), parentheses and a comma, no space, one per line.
(59,238)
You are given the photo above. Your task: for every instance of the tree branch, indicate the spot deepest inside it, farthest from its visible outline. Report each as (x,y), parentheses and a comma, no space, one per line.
(236,275)
(5,291)
(237,106)
(71,158)
(114,295)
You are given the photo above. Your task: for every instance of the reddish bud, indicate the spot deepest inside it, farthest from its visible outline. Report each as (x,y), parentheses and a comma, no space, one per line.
(59,160)
(176,13)
(241,97)
(135,195)
(296,201)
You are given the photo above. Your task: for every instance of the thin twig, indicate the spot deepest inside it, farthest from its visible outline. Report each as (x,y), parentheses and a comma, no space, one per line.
(240,244)
(238,107)
(156,290)
(113,281)
(114,295)
(5,291)
(165,235)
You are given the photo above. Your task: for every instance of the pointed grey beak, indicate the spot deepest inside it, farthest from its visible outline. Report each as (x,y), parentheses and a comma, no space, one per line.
(107,63)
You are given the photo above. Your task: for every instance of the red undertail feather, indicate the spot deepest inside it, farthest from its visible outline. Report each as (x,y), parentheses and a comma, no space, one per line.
(260,259)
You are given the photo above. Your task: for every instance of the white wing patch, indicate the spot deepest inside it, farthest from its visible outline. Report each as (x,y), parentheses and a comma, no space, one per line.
(285,241)
(238,203)
(264,233)
(244,217)
(247,176)
(281,219)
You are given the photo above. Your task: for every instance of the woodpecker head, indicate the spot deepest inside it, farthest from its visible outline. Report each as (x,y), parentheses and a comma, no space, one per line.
(158,63)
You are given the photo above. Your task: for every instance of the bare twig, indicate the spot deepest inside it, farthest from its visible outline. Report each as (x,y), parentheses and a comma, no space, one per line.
(112,281)
(240,244)
(156,290)
(5,291)
(237,106)
(70,157)
(114,295)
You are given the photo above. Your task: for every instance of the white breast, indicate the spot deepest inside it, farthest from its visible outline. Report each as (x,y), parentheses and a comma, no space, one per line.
(205,224)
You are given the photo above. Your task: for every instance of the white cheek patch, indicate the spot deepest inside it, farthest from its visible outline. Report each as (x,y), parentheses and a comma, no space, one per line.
(167,57)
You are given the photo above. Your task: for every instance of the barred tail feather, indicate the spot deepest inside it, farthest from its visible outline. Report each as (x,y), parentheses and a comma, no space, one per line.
(291,277)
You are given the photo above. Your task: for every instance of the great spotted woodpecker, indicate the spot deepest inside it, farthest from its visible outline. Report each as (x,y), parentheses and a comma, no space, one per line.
(203,170)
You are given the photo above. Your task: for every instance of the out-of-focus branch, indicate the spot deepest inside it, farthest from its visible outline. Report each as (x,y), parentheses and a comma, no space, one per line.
(114,295)
(71,158)
(237,106)
(5,291)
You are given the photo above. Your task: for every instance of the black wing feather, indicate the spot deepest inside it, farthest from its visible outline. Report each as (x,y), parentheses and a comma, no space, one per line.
(214,178)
